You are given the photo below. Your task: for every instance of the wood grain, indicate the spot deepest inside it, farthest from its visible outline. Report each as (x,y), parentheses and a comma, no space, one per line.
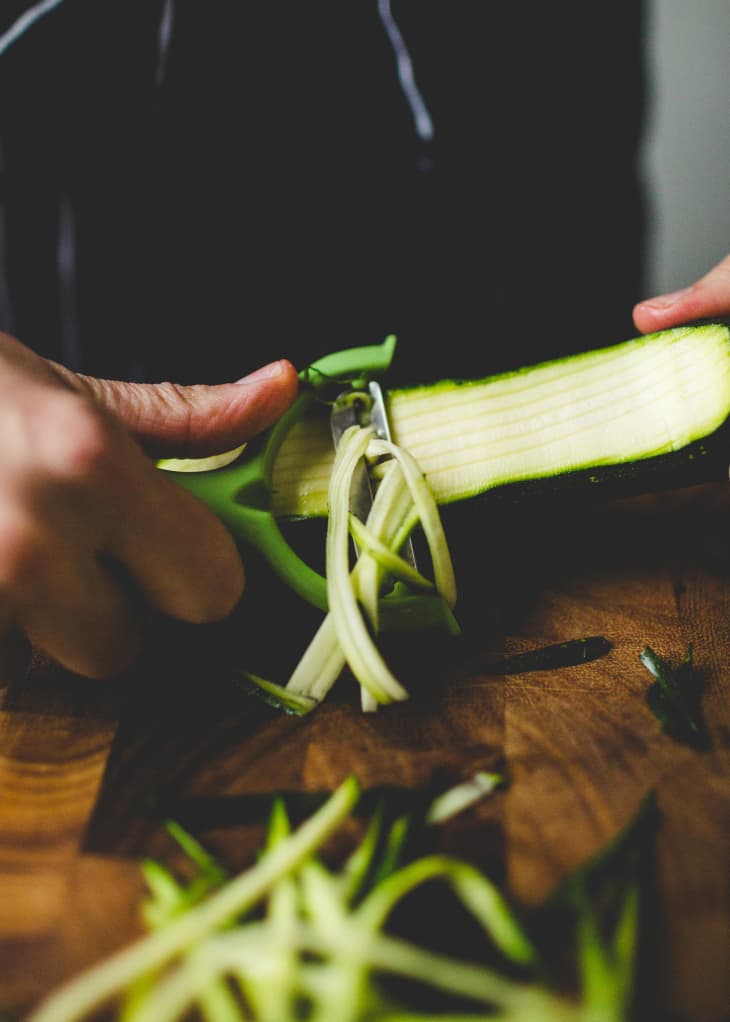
(88,770)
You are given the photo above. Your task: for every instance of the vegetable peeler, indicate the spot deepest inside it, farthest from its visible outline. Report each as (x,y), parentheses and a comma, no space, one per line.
(240,493)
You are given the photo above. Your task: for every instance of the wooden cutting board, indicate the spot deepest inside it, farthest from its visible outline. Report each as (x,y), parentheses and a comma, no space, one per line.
(86,768)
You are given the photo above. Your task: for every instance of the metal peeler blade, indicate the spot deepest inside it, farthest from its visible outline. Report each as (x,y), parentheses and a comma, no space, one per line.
(364,408)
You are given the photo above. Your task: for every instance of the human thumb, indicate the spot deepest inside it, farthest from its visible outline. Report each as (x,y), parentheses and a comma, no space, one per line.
(707,298)
(171,420)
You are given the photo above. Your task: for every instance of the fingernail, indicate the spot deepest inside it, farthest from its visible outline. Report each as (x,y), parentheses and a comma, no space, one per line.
(268,372)
(666,301)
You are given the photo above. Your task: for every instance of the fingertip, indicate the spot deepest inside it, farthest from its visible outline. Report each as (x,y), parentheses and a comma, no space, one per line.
(288,382)
(260,398)
(280,374)
(290,374)
(665,310)
(644,317)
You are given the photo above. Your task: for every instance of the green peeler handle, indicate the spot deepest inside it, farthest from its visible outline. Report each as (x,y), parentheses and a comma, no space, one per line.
(239,494)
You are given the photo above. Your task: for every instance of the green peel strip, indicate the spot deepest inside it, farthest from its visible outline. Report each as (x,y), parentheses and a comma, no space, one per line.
(343,638)
(360,651)
(94,988)
(291,938)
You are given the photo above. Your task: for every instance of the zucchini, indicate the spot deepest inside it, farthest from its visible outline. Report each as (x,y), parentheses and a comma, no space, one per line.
(647,414)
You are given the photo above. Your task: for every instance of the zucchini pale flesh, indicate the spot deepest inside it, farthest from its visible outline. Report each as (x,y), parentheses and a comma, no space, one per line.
(649,413)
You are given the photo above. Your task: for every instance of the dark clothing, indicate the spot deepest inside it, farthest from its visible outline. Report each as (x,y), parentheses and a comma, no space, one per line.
(272,198)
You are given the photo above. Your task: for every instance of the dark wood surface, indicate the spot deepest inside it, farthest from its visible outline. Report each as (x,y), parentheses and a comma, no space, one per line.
(87,769)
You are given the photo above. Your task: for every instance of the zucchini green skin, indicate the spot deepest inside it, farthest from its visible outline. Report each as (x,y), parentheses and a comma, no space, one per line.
(702,461)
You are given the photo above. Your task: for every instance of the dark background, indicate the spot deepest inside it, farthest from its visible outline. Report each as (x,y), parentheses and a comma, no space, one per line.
(270,197)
